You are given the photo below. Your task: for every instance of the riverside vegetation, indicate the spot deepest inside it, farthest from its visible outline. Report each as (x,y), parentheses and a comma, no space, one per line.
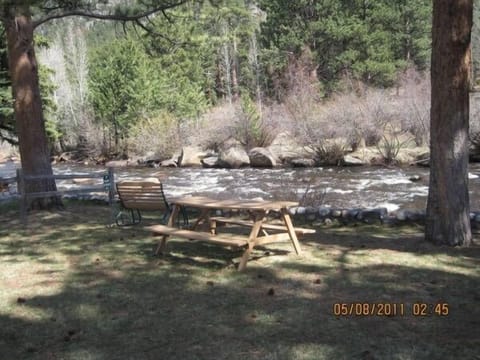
(238,70)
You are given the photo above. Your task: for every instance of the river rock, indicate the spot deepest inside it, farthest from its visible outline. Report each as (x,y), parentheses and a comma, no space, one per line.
(389,220)
(351,214)
(191,156)
(416,215)
(118,163)
(210,162)
(302,162)
(285,148)
(261,157)
(410,215)
(301,210)
(147,157)
(169,163)
(415,178)
(311,217)
(336,213)
(310,210)
(372,215)
(234,158)
(401,215)
(324,212)
(423,159)
(349,160)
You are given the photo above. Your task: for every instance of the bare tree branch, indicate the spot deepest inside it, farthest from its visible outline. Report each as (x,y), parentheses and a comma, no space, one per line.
(114,17)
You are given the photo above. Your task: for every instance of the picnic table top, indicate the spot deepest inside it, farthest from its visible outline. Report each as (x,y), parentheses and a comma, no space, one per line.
(234,204)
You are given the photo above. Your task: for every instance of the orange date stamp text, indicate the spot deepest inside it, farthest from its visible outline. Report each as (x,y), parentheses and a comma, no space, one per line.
(390,309)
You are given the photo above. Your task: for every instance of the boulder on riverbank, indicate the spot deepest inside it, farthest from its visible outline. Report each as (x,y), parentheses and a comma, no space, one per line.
(192,156)
(349,160)
(285,149)
(233,158)
(210,162)
(262,157)
(302,162)
(119,163)
(169,163)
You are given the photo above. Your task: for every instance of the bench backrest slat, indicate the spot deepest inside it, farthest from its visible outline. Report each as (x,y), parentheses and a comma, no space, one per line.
(142,195)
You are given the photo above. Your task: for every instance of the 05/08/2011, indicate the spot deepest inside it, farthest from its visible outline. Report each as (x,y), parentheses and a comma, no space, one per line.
(390,309)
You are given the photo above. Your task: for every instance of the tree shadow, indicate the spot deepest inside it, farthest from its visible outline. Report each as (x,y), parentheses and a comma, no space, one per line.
(113,300)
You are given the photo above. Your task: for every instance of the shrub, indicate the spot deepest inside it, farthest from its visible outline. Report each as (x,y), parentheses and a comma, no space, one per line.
(474,133)
(243,123)
(390,145)
(214,128)
(158,134)
(413,102)
(251,129)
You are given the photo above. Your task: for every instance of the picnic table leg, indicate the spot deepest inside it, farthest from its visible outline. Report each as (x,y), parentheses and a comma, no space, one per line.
(251,215)
(161,245)
(173,215)
(213,227)
(258,218)
(291,231)
(171,221)
(202,217)
(246,254)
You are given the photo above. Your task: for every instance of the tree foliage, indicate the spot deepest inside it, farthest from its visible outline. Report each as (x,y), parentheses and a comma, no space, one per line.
(19,25)
(47,88)
(367,40)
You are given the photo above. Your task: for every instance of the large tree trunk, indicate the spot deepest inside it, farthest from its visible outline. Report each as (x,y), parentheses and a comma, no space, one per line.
(33,144)
(448,209)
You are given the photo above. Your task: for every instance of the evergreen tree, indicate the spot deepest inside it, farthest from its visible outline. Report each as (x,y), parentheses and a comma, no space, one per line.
(368,40)
(20,19)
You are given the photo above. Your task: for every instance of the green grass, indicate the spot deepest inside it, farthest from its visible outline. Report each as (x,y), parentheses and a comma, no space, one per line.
(73,288)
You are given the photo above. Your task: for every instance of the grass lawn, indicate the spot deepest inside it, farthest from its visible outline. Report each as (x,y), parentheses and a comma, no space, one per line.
(73,288)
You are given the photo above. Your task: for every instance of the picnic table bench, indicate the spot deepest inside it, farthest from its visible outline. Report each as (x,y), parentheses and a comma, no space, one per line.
(226,240)
(249,223)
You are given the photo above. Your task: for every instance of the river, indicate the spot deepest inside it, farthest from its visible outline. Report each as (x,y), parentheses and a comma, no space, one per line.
(363,187)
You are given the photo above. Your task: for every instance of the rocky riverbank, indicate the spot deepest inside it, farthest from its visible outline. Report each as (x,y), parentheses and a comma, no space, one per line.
(285,152)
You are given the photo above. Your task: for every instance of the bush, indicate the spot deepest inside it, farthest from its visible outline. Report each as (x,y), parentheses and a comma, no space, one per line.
(474,134)
(243,123)
(251,129)
(413,103)
(214,128)
(158,134)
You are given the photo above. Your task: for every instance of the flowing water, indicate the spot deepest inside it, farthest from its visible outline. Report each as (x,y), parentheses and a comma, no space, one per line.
(365,187)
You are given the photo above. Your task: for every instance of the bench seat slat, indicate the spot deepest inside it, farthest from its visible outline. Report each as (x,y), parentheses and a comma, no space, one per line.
(144,206)
(226,240)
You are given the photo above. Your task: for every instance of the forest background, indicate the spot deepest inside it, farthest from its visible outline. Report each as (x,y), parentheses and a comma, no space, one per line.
(208,72)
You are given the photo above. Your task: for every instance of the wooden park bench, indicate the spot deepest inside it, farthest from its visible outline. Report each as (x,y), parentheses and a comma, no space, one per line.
(137,196)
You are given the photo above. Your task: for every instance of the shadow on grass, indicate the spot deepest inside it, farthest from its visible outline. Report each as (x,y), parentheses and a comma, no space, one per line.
(90,292)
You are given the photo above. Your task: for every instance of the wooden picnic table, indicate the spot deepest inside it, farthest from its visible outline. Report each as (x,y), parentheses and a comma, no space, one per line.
(258,210)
